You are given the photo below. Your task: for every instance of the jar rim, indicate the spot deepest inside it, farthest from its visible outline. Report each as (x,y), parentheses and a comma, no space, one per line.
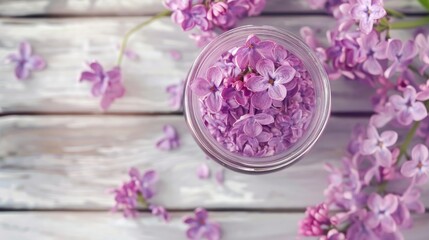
(262,164)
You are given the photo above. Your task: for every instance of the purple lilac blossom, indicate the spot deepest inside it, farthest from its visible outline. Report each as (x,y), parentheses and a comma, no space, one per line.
(367,12)
(139,186)
(108,85)
(199,226)
(401,54)
(176,93)
(418,166)
(203,171)
(25,61)
(407,108)
(378,144)
(257,111)
(160,211)
(316,221)
(382,209)
(170,140)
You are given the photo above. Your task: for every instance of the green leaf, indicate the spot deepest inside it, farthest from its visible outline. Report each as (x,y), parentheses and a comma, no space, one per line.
(424,3)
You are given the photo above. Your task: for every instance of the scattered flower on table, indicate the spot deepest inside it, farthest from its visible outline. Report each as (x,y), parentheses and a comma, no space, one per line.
(175,92)
(170,140)
(137,191)
(220,176)
(25,61)
(200,227)
(203,171)
(175,55)
(161,212)
(105,84)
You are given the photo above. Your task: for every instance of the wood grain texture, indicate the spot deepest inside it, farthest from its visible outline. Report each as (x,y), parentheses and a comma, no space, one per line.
(68,43)
(70,162)
(149,7)
(104,226)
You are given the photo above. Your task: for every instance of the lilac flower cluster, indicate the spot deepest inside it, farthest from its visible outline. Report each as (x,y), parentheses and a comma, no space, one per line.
(257,100)
(137,192)
(209,15)
(376,190)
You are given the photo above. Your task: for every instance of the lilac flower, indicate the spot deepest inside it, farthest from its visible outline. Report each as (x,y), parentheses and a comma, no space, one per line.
(126,199)
(253,50)
(25,62)
(381,212)
(209,89)
(271,80)
(407,108)
(176,93)
(378,145)
(422,44)
(170,140)
(191,17)
(333,234)
(372,50)
(160,211)
(401,55)
(128,195)
(316,221)
(418,166)
(203,38)
(252,124)
(409,203)
(145,183)
(218,13)
(108,84)
(423,95)
(203,171)
(200,227)
(384,115)
(367,12)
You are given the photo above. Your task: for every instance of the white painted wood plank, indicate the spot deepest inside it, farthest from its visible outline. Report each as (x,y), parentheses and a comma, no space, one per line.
(145,7)
(102,226)
(71,162)
(68,43)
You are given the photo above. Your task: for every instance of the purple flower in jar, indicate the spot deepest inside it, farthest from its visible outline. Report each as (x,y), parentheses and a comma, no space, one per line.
(418,166)
(367,12)
(25,61)
(209,89)
(252,124)
(201,228)
(253,50)
(271,80)
(382,209)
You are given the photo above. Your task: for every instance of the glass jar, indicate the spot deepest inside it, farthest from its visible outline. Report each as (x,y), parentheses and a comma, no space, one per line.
(254,165)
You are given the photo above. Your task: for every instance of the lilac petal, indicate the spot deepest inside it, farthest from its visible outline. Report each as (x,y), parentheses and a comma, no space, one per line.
(12,58)
(390,203)
(175,55)
(21,72)
(170,131)
(187,24)
(419,111)
(264,137)
(214,102)
(150,176)
(389,138)
(420,153)
(164,144)
(265,67)
(192,233)
(374,201)
(366,24)
(214,74)
(36,63)
(252,128)
(25,50)
(405,117)
(257,83)
(265,48)
(252,39)
(397,101)
(201,87)
(409,50)
(393,48)
(384,156)
(372,66)
(377,12)
(201,214)
(261,100)
(97,68)
(277,92)
(368,147)
(423,95)
(388,224)
(264,118)
(254,58)
(241,58)
(372,132)
(203,171)
(279,53)
(106,102)
(284,74)
(248,150)
(391,70)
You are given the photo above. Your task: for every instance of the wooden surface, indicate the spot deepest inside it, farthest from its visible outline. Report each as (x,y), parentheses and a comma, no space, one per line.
(59,156)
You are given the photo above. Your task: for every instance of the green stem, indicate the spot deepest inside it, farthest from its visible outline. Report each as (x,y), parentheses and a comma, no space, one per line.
(404,146)
(135,29)
(410,24)
(142,201)
(394,13)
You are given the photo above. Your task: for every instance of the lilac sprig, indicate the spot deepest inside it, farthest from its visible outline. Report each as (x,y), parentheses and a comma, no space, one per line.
(138,192)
